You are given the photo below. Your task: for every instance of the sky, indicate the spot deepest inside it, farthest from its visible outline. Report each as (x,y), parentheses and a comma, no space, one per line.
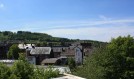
(74,19)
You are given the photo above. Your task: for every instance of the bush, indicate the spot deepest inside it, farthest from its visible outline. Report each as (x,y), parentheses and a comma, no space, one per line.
(71,63)
(22,69)
(50,73)
(41,73)
(4,71)
(13,76)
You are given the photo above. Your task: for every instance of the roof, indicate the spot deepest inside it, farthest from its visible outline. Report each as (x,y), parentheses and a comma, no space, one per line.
(57,49)
(68,52)
(24,46)
(72,47)
(41,50)
(69,76)
(50,60)
(7,61)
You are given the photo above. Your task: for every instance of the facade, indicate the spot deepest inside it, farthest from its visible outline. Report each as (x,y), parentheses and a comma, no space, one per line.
(40,53)
(31,59)
(78,55)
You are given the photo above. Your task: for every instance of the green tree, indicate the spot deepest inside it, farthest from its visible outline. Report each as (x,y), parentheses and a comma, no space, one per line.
(13,76)
(4,71)
(13,52)
(120,58)
(115,61)
(22,69)
(46,73)
(71,63)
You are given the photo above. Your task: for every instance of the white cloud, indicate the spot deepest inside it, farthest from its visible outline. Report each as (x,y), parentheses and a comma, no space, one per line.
(94,33)
(104,17)
(74,24)
(1,6)
(94,30)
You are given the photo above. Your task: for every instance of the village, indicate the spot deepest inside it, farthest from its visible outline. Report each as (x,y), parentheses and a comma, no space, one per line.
(51,55)
(57,56)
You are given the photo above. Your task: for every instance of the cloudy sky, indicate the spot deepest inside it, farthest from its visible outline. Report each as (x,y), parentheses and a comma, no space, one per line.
(75,19)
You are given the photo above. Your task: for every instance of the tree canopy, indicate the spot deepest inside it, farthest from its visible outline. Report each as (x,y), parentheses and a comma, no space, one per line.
(13,52)
(22,69)
(26,36)
(115,61)
(41,39)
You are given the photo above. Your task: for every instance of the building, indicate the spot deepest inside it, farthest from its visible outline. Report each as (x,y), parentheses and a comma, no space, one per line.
(40,53)
(26,46)
(55,61)
(50,55)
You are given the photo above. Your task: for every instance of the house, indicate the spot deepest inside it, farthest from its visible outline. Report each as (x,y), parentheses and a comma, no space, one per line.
(55,61)
(26,46)
(51,61)
(31,59)
(87,51)
(52,54)
(68,53)
(40,53)
(75,52)
(58,50)
(87,48)
(78,55)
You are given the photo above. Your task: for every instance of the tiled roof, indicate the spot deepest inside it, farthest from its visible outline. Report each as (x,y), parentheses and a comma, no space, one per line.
(50,60)
(68,52)
(57,49)
(41,50)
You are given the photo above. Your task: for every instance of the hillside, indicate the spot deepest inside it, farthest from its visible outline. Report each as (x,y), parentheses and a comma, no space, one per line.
(26,36)
(39,38)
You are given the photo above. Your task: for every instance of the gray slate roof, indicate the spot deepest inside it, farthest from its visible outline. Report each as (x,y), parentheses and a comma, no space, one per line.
(50,60)
(40,50)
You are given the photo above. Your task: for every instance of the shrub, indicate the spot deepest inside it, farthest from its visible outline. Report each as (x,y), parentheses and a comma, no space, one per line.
(4,71)
(71,63)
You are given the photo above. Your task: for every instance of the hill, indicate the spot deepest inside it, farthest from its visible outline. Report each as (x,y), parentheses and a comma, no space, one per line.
(26,36)
(39,38)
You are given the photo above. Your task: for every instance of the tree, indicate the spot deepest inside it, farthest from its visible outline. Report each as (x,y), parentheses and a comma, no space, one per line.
(22,70)
(71,63)
(120,58)
(13,52)
(4,71)
(115,61)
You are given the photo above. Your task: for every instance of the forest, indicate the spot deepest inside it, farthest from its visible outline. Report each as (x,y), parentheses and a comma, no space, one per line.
(27,36)
(41,39)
